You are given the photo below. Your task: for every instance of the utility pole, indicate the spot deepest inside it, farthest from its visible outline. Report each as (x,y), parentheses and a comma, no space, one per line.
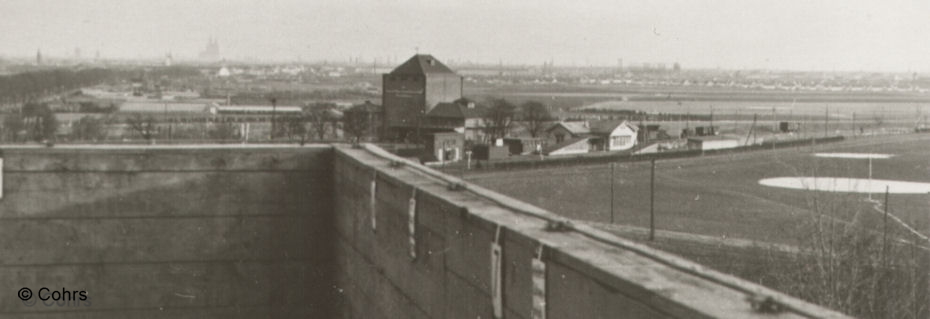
(736,120)
(854,124)
(652,202)
(687,117)
(612,193)
(774,120)
(826,122)
(870,178)
(776,128)
(885,227)
(712,121)
(752,131)
(274,109)
(167,129)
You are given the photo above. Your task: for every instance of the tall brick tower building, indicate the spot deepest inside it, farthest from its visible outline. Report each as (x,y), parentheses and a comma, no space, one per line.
(412,89)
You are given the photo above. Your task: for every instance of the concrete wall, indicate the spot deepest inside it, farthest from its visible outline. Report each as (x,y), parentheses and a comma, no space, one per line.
(219,233)
(260,232)
(450,276)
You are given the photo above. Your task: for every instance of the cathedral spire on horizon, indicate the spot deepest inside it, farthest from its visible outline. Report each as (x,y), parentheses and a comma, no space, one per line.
(212,51)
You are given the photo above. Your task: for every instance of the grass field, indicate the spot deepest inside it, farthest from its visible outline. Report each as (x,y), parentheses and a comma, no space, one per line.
(720,195)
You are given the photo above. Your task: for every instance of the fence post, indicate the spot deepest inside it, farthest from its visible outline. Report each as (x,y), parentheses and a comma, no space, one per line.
(497,256)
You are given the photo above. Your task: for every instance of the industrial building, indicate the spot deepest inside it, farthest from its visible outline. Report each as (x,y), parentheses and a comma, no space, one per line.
(412,90)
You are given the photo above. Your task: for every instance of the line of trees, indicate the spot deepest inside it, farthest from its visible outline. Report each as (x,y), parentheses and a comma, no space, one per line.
(37,122)
(21,88)
(316,120)
(290,97)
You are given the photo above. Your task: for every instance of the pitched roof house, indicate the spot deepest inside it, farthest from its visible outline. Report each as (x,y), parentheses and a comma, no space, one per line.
(562,131)
(566,137)
(614,135)
(463,116)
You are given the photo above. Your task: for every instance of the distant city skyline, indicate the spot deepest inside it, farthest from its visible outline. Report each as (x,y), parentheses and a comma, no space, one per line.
(729,34)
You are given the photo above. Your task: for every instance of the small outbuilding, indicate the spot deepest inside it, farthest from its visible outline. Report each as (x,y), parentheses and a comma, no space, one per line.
(447,146)
(705,143)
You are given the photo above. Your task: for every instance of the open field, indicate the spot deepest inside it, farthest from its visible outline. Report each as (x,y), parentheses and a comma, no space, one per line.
(721,195)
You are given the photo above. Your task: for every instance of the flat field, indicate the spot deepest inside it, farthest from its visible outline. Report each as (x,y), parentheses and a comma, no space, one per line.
(720,195)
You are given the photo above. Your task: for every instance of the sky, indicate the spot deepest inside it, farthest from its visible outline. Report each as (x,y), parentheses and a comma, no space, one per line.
(849,35)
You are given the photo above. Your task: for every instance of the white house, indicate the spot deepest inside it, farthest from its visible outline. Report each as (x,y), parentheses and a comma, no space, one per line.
(583,137)
(614,136)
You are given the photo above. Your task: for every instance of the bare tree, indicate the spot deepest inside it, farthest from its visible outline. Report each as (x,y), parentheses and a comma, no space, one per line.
(355,124)
(144,126)
(319,116)
(295,127)
(335,120)
(498,119)
(40,121)
(223,131)
(89,128)
(13,127)
(846,263)
(535,116)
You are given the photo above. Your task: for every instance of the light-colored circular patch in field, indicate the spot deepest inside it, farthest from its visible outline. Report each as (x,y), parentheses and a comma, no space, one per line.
(855,155)
(847,185)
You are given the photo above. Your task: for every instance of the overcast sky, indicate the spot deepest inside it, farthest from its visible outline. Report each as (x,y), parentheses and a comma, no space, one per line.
(802,35)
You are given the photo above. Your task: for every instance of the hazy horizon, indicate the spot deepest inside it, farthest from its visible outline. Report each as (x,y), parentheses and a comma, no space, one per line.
(729,34)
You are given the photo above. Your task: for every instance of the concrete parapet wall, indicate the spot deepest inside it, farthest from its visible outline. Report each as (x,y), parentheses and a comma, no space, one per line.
(262,232)
(450,277)
(168,233)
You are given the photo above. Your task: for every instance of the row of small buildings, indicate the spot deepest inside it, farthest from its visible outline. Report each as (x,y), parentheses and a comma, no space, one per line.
(423,97)
(422,100)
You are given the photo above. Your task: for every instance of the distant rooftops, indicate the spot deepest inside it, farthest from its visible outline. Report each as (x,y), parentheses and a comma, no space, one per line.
(246,109)
(713,138)
(365,107)
(576,128)
(592,128)
(422,64)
